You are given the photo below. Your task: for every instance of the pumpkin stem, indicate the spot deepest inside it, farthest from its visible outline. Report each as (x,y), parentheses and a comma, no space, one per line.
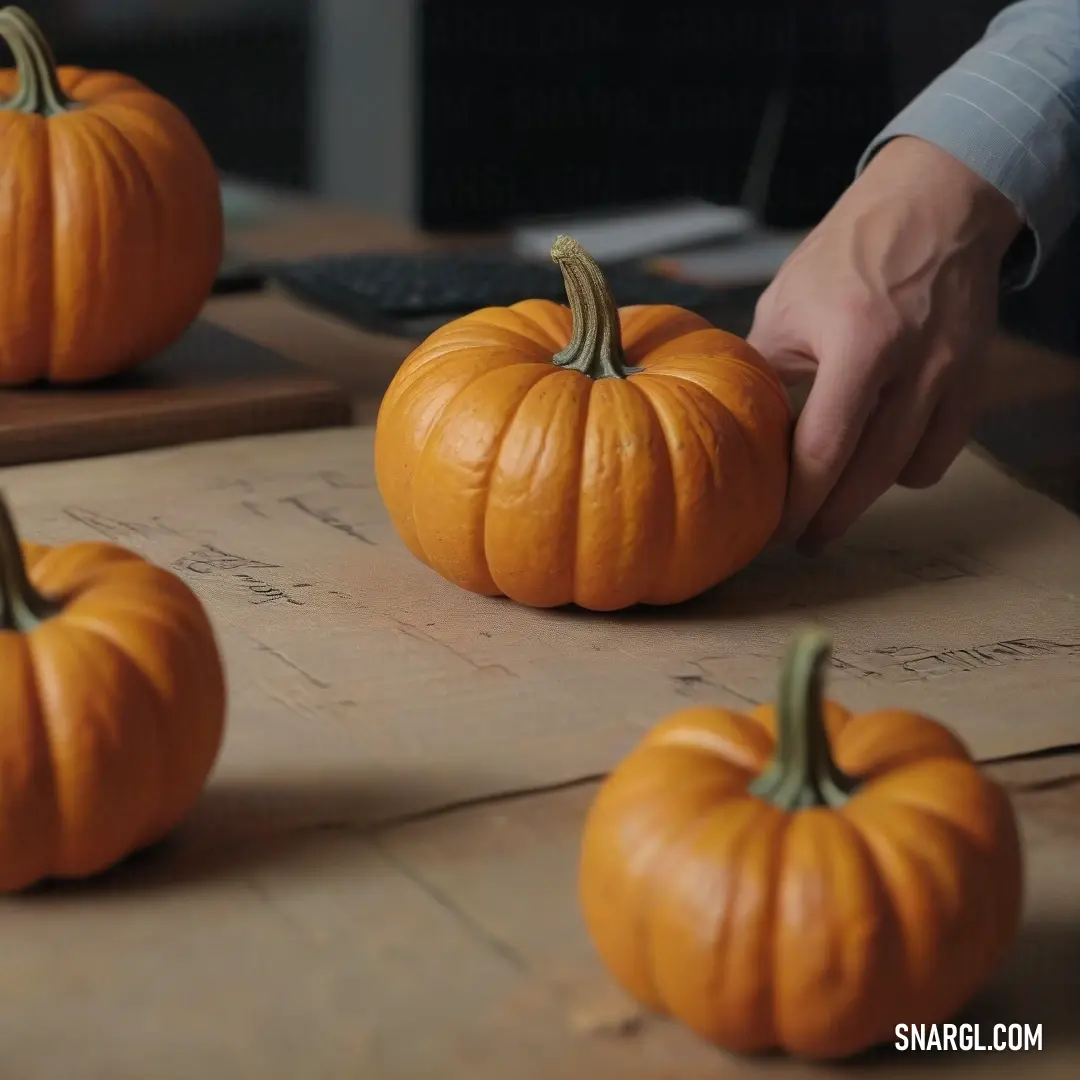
(595,347)
(803,773)
(39,83)
(22,607)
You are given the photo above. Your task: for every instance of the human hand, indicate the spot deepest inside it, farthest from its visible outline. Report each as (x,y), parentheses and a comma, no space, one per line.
(889,304)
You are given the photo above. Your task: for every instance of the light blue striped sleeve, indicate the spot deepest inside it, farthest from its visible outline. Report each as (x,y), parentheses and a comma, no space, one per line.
(1009,109)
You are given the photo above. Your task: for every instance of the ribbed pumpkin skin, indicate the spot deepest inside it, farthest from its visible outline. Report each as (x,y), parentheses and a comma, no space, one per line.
(113,711)
(110,230)
(507,474)
(814,930)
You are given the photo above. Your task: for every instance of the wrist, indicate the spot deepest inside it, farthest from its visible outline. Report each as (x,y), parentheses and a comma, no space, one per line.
(965,205)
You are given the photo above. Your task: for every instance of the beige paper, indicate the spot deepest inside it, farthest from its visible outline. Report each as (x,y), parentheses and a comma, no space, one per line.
(274,937)
(346,653)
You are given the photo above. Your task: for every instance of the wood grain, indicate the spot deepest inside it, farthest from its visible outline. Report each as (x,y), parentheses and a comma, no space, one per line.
(210,385)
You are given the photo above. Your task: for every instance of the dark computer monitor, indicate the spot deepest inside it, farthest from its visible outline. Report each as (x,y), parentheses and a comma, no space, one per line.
(533,108)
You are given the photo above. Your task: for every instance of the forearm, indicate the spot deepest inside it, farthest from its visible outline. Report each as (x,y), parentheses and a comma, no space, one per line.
(1009,109)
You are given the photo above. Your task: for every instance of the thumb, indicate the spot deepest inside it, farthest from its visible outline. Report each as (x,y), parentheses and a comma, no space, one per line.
(796,368)
(791,359)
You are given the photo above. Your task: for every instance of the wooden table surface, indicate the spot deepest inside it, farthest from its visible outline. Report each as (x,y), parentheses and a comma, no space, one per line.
(479,859)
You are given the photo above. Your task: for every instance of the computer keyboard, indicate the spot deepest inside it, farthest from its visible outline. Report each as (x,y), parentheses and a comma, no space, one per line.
(406,292)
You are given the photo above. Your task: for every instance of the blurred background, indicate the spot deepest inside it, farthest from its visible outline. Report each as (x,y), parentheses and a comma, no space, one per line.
(473,114)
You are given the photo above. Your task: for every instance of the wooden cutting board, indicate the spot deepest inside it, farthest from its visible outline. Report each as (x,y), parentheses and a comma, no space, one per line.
(209,385)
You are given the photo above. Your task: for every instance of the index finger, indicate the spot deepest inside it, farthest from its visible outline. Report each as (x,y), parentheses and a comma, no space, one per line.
(840,402)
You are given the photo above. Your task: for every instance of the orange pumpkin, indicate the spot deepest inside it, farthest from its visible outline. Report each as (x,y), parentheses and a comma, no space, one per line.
(113,699)
(110,218)
(592,456)
(769,892)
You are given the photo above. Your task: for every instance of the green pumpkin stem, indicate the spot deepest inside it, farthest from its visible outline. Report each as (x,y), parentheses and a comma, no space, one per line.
(595,346)
(22,607)
(39,83)
(803,773)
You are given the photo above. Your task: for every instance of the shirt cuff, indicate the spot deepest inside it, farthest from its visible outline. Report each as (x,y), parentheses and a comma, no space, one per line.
(1011,127)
